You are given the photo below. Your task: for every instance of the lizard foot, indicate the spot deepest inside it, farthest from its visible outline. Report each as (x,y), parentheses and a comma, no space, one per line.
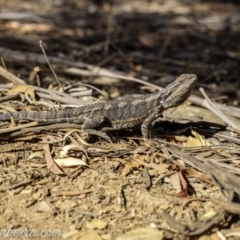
(97,133)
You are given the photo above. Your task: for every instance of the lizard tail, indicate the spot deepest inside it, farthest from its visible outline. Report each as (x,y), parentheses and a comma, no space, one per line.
(48,116)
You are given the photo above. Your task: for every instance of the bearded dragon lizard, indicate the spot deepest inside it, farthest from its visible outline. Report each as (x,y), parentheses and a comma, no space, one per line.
(124,112)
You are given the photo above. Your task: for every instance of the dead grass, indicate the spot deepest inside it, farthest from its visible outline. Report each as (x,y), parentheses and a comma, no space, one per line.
(183,184)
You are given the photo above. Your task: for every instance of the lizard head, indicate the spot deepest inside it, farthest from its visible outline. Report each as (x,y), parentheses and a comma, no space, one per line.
(178,91)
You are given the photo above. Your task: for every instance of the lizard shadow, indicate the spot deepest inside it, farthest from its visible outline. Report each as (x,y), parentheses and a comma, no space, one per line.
(208,129)
(168,127)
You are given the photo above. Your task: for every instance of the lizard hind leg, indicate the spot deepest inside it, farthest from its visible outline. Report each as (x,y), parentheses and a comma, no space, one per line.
(90,123)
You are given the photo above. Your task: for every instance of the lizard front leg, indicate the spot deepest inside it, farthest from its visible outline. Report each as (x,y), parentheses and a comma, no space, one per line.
(90,123)
(146,125)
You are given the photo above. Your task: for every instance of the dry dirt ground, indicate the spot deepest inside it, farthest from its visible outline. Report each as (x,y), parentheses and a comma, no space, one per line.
(57,183)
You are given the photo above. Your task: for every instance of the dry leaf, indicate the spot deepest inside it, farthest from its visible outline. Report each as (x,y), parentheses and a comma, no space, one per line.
(90,236)
(140,149)
(65,150)
(23,89)
(38,154)
(44,207)
(209,214)
(129,166)
(69,162)
(184,191)
(149,40)
(160,167)
(197,141)
(52,166)
(141,233)
(139,160)
(96,224)
(195,173)
(180,184)
(176,182)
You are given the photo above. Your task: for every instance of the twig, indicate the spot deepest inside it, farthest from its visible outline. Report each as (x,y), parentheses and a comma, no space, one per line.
(211,106)
(9,76)
(10,97)
(50,66)
(43,128)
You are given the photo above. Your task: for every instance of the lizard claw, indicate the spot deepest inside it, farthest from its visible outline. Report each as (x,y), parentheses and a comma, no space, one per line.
(98,133)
